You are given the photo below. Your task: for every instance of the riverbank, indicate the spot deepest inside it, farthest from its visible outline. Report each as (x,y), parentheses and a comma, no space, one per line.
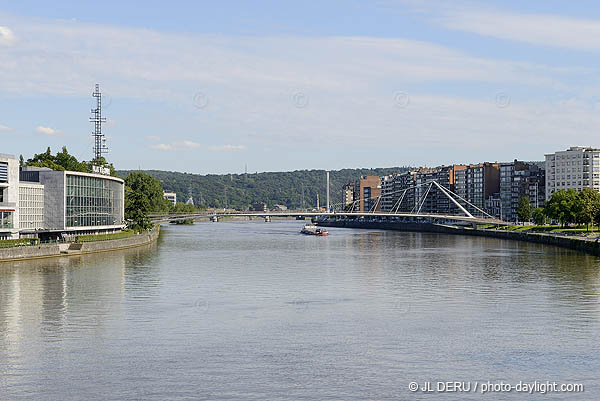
(591,246)
(75,248)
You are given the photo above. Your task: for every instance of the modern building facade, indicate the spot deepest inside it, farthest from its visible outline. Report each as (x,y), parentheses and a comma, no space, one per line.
(74,202)
(519,179)
(575,168)
(9,197)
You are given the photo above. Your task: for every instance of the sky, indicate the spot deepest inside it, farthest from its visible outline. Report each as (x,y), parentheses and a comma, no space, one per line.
(213,87)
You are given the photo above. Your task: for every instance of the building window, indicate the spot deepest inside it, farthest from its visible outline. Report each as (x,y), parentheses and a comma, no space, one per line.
(6,219)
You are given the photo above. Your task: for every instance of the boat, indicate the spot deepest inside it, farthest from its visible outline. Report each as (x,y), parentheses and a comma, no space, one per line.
(311,229)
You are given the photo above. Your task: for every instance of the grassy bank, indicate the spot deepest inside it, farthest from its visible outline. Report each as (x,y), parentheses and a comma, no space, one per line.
(105,237)
(11,243)
(548,228)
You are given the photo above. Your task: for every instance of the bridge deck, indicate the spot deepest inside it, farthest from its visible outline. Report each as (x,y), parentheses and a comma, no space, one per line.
(478,220)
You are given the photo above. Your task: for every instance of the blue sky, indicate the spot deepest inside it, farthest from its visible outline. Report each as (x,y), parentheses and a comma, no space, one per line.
(207,87)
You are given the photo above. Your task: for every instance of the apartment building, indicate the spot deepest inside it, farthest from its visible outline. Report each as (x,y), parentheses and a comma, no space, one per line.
(518,179)
(476,183)
(398,191)
(367,193)
(429,198)
(575,168)
(348,195)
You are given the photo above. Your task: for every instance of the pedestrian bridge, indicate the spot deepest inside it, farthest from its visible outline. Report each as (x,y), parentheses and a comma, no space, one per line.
(424,217)
(468,213)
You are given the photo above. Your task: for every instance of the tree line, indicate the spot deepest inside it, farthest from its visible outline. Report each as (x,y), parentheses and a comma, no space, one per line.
(564,207)
(293,189)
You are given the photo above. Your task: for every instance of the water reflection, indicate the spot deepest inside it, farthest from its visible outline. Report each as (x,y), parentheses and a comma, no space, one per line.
(257,311)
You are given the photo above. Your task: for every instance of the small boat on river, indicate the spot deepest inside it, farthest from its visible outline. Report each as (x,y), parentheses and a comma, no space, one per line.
(311,229)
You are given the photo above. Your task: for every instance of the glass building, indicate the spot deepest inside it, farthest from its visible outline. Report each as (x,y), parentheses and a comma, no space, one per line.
(93,201)
(77,202)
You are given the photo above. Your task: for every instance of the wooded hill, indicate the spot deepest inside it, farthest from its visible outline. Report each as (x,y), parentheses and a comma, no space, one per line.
(241,190)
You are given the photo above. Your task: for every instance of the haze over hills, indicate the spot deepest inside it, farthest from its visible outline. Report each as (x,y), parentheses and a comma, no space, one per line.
(240,190)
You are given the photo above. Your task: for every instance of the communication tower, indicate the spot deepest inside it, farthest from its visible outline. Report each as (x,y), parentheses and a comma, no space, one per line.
(99,138)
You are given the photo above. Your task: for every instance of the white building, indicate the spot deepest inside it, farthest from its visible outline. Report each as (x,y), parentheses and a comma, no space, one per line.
(31,206)
(575,168)
(9,196)
(171,197)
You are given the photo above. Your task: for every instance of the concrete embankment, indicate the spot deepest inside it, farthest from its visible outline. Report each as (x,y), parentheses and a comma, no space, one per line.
(70,249)
(580,244)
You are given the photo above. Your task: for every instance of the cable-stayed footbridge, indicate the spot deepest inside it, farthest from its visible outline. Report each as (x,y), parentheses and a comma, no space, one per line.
(426,202)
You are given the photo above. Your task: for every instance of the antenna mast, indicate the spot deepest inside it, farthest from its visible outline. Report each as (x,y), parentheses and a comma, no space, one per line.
(97,119)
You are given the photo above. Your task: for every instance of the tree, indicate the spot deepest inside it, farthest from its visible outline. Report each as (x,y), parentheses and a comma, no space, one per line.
(137,208)
(524,209)
(539,217)
(21,161)
(65,161)
(151,188)
(587,206)
(562,206)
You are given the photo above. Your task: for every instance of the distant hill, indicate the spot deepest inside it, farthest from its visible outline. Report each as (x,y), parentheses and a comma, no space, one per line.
(240,190)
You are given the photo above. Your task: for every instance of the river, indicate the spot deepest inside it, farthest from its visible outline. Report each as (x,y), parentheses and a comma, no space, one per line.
(257,311)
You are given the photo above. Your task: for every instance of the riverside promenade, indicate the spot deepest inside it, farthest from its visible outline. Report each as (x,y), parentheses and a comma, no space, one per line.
(78,248)
(582,244)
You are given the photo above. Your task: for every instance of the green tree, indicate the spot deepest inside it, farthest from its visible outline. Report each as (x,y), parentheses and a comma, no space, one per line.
(562,206)
(587,206)
(151,188)
(21,161)
(524,209)
(137,207)
(65,161)
(539,217)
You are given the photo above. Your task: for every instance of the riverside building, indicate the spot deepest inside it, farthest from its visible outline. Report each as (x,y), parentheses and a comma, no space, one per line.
(9,197)
(519,179)
(367,193)
(476,183)
(575,168)
(74,203)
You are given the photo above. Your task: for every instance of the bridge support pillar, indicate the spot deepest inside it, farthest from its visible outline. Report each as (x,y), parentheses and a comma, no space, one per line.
(267,219)
(214,219)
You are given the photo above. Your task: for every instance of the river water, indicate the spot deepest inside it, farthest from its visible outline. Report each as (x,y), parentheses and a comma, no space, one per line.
(257,311)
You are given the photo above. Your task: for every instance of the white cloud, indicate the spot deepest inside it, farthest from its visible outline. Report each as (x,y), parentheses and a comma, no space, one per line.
(7,37)
(536,29)
(191,145)
(226,148)
(4,128)
(187,144)
(47,130)
(162,146)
